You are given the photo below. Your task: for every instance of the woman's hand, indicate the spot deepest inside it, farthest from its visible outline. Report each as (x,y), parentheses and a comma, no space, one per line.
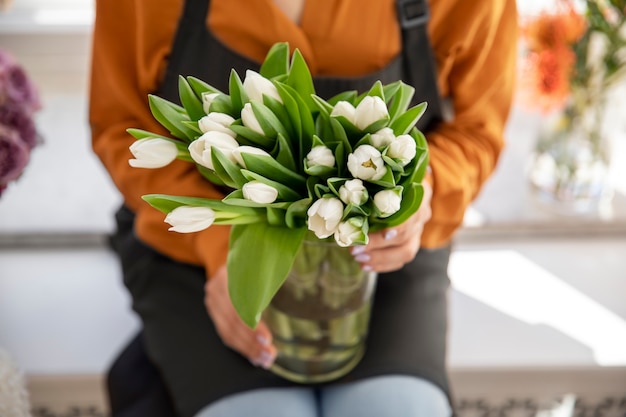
(256,345)
(390,249)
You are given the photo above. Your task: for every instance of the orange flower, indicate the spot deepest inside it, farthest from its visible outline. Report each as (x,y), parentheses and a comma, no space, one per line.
(547,67)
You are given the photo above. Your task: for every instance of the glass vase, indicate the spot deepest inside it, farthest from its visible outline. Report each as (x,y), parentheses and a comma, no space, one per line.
(570,166)
(319,317)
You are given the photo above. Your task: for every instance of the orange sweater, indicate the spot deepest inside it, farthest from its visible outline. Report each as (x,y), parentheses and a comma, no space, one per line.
(475,48)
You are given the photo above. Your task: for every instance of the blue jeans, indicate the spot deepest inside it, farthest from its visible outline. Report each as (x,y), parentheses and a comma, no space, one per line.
(389,396)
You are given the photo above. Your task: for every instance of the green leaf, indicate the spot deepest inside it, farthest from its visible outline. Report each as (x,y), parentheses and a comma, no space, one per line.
(404,123)
(376,90)
(401,100)
(377,125)
(305,117)
(276,61)
(300,79)
(322,105)
(167,203)
(390,90)
(143,134)
(193,126)
(276,216)
(349,96)
(253,282)
(291,108)
(280,111)
(237,94)
(296,213)
(200,86)
(268,167)
(171,116)
(284,154)
(253,138)
(191,102)
(268,120)
(229,172)
(210,175)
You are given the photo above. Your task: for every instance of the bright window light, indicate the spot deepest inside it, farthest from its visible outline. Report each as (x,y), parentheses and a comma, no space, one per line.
(509,282)
(55,17)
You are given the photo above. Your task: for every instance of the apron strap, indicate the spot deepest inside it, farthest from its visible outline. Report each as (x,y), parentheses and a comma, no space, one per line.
(419,59)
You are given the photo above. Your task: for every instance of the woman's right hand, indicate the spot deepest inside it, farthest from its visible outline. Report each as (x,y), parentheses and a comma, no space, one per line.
(254,344)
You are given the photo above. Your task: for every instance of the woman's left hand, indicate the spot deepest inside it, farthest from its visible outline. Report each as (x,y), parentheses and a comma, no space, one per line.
(390,249)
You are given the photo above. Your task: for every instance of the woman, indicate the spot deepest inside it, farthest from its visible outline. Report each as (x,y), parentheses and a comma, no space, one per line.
(140,47)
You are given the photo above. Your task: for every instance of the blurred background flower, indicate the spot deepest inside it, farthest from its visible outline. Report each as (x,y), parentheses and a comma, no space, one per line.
(19,101)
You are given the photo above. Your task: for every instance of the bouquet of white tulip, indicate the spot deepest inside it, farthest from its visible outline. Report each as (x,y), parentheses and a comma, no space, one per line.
(292,161)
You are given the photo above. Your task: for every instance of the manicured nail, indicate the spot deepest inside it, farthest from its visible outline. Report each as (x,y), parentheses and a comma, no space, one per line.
(262,340)
(264,360)
(358,249)
(390,234)
(362,257)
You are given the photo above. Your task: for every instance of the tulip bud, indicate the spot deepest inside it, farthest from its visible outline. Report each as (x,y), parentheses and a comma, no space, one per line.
(366,163)
(382,138)
(353,192)
(152,153)
(324,216)
(207,99)
(217,121)
(387,202)
(255,86)
(371,109)
(237,153)
(403,148)
(259,192)
(320,155)
(249,119)
(345,109)
(350,232)
(188,219)
(200,149)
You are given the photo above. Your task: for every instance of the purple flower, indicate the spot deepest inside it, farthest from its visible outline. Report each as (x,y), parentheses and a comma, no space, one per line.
(16,89)
(14,155)
(16,118)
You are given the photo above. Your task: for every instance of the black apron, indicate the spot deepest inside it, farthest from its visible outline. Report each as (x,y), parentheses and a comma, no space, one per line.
(409,320)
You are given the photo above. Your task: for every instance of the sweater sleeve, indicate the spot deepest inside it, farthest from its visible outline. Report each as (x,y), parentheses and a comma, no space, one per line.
(477,72)
(128,55)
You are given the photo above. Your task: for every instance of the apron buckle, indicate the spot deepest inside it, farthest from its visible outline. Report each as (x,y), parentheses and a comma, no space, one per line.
(412,13)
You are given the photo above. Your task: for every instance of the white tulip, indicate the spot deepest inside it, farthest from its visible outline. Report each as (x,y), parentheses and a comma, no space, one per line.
(382,138)
(366,163)
(207,99)
(345,109)
(152,153)
(249,119)
(403,148)
(200,149)
(353,192)
(320,155)
(349,232)
(188,219)
(371,109)
(324,216)
(255,86)
(217,121)
(249,150)
(259,192)
(387,202)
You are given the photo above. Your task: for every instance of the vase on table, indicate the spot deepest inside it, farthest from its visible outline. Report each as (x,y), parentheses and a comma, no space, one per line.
(570,165)
(319,317)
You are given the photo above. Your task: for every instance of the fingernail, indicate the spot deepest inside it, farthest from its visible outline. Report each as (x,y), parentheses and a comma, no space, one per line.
(264,360)
(262,340)
(390,234)
(363,257)
(358,249)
